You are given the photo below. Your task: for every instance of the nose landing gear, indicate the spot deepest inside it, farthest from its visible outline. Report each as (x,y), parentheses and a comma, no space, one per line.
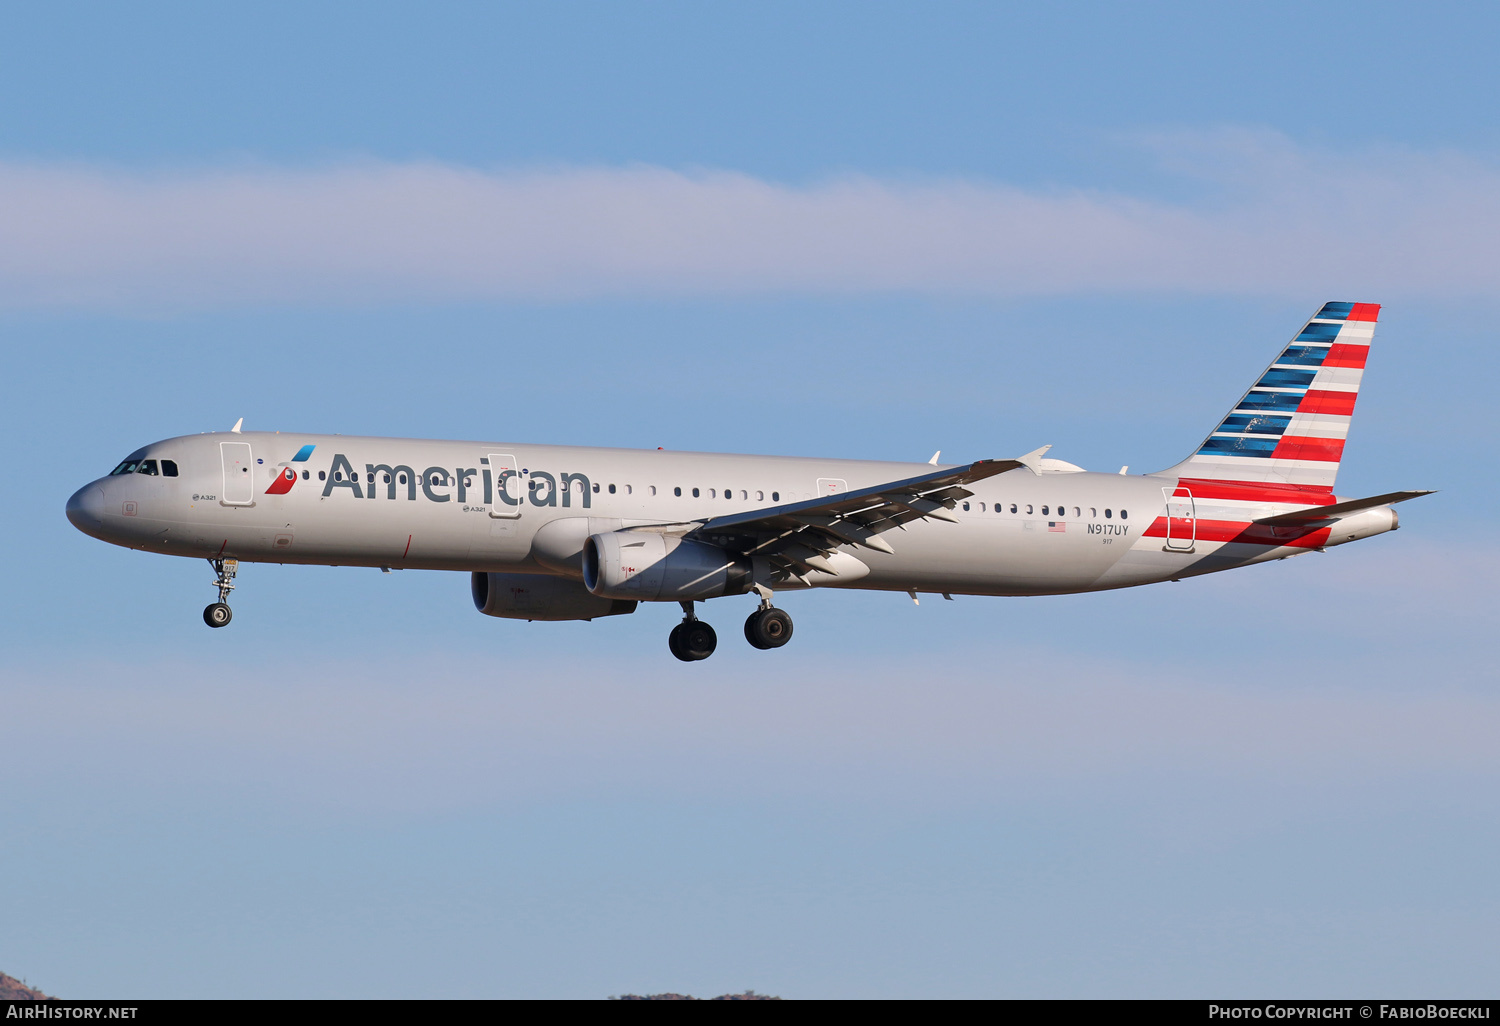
(218,614)
(692,639)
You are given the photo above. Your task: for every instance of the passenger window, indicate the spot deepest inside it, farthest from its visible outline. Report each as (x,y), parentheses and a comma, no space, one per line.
(760,496)
(677,492)
(981,507)
(611,489)
(713,493)
(729,493)
(628,490)
(370,477)
(1077,512)
(322,475)
(695,493)
(1094,511)
(147,467)
(305,474)
(387,478)
(966,507)
(1013,508)
(1107,514)
(338,475)
(1028,507)
(775,496)
(1044,511)
(1124,515)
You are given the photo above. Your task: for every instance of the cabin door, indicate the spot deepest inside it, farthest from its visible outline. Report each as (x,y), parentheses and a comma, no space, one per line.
(1182,524)
(506,491)
(239,480)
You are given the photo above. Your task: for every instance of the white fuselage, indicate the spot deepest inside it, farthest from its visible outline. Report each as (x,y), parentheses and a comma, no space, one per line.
(440,505)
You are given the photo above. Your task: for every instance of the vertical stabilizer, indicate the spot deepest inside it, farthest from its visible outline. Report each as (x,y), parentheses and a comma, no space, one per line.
(1290,427)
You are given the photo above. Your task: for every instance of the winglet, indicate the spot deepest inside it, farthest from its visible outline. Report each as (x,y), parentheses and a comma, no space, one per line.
(1032,461)
(935,456)
(237,425)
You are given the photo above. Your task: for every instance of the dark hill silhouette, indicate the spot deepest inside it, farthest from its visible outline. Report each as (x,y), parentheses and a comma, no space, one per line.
(748,995)
(12,989)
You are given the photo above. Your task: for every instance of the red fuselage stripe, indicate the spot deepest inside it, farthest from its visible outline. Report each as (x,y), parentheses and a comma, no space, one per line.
(1255,491)
(1244,532)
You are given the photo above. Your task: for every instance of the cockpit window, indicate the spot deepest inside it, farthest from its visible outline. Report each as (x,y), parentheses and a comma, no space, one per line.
(128,467)
(168,468)
(147,467)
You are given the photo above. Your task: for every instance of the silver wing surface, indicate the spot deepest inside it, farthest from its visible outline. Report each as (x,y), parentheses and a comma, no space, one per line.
(1341,509)
(797,538)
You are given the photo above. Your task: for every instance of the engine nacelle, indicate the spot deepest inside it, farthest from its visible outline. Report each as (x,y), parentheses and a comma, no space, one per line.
(650,566)
(539,597)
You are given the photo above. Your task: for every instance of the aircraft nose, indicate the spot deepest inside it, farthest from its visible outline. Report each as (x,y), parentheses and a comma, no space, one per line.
(86,509)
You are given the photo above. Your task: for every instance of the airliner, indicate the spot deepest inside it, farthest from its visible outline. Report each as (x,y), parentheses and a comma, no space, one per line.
(574,533)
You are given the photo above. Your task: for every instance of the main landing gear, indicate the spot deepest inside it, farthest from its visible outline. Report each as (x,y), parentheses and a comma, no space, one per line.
(692,639)
(768,627)
(219,614)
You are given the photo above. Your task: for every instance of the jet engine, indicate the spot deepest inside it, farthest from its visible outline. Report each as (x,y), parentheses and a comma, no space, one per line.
(651,566)
(539,597)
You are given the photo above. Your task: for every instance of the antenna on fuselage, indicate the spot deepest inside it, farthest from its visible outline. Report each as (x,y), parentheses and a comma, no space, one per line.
(236,429)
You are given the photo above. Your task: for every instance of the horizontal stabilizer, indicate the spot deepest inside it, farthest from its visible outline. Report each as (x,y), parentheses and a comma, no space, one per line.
(1341,509)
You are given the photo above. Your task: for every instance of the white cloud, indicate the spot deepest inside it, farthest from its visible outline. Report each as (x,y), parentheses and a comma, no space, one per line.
(1282,220)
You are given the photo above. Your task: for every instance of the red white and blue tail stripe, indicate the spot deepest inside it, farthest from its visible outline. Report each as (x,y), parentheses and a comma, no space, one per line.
(1289,428)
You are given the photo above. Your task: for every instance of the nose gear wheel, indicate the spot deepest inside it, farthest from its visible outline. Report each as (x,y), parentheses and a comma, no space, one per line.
(218,614)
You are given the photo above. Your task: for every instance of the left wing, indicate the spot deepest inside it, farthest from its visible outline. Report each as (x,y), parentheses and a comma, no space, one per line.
(798,537)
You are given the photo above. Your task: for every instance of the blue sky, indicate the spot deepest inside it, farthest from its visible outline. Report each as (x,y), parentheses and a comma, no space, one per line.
(867,230)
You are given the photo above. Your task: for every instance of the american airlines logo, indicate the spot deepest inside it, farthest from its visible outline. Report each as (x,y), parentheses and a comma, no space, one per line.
(288,475)
(440,484)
